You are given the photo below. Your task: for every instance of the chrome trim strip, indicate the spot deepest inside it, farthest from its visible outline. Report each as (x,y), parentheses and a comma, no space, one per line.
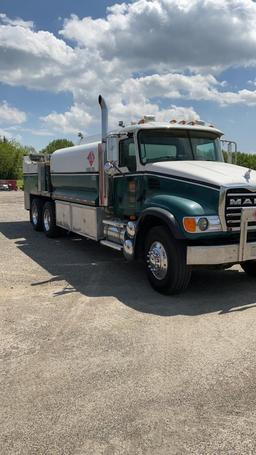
(58,197)
(250,228)
(234,221)
(240,207)
(170,177)
(103,198)
(74,173)
(222,204)
(241,194)
(114,246)
(116,223)
(233,215)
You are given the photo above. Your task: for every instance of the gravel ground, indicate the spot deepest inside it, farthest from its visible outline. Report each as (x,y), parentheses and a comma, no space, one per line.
(93,361)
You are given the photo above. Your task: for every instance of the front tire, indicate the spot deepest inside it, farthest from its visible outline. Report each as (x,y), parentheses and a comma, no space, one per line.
(165,261)
(249,267)
(49,220)
(36,214)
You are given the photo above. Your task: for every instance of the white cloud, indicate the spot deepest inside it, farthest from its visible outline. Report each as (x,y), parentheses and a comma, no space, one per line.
(33,59)
(9,135)
(82,117)
(194,87)
(176,47)
(10,114)
(34,132)
(181,33)
(69,122)
(4,133)
(16,22)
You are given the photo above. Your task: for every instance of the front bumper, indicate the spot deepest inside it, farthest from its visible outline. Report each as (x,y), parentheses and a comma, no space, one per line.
(226,254)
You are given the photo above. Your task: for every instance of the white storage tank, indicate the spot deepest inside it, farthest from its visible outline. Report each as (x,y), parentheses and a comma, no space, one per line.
(78,159)
(75,174)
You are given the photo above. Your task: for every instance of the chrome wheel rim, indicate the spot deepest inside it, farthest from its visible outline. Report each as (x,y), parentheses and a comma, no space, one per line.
(35,215)
(47,220)
(157,260)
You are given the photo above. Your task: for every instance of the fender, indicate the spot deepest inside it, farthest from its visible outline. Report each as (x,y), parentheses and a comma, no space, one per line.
(134,234)
(166,216)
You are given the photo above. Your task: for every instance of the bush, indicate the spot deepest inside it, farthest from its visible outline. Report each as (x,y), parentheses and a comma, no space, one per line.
(56,145)
(243,159)
(11,158)
(20,184)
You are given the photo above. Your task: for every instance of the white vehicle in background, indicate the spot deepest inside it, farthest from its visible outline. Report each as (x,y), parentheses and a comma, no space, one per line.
(4,187)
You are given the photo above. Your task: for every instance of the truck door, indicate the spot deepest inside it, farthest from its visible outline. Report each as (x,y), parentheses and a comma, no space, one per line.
(128,187)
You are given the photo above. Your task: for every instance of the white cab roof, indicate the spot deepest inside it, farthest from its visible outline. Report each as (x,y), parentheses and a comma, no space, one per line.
(165,125)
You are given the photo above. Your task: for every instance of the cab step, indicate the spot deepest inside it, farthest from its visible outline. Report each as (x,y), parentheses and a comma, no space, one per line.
(116,223)
(114,246)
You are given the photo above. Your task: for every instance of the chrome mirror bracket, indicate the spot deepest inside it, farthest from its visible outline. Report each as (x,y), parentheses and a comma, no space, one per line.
(111,169)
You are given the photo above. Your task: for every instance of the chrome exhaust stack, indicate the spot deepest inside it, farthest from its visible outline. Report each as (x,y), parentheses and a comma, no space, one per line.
(103,180)
(104,118)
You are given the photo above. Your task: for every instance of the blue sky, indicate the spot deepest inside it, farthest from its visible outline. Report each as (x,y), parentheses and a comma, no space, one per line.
(173,58)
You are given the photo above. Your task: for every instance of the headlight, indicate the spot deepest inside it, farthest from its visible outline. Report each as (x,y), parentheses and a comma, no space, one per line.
(201,224)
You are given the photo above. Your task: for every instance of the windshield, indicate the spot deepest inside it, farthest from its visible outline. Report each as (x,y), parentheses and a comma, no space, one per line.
(176,145)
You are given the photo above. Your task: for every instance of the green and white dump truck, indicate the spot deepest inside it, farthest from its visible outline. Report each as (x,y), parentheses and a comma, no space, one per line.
(160,192)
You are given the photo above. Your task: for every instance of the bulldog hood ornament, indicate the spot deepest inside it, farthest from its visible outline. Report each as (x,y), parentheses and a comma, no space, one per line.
(247,175)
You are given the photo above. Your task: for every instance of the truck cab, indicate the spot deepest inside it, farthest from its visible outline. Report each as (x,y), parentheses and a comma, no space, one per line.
(159,192)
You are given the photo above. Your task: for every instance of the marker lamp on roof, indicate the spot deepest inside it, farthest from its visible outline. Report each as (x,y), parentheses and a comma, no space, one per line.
(147,119)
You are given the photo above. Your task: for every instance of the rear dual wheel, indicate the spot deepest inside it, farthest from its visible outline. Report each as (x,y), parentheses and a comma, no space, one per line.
(36,213)
(49,220)
(165,260)
(42,217)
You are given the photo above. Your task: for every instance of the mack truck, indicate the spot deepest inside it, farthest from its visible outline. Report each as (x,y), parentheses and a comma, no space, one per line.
(159,192)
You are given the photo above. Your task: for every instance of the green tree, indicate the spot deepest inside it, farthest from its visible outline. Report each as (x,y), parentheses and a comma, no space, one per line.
(243,159)
(56,145)
(11,158)
(29,149)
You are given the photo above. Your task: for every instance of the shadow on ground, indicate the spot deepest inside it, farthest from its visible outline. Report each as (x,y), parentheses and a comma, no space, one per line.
(96,271)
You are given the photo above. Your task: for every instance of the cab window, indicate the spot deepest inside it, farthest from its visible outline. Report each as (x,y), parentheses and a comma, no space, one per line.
(173,145)
(127,157)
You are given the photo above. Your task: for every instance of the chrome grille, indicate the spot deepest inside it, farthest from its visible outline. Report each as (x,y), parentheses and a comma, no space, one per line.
(236,199)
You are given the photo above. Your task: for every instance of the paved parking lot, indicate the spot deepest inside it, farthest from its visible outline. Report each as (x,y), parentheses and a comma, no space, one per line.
(93,361)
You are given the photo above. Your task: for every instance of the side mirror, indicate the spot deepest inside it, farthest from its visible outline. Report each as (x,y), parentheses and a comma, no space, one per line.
(230,151)
(111,169)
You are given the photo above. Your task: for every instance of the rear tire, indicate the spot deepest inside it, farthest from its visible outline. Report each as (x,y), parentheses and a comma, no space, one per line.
(36,214)
(249,267)
(165,261)
(49,220)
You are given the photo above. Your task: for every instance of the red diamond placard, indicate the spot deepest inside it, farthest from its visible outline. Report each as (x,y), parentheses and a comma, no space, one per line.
(91,158)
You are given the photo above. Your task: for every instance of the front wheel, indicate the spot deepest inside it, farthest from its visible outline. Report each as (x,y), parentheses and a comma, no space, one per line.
(249,267)
(49,220)
(165,260)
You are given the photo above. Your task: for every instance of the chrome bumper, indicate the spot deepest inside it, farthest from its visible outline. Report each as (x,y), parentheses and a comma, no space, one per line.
(226,254)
